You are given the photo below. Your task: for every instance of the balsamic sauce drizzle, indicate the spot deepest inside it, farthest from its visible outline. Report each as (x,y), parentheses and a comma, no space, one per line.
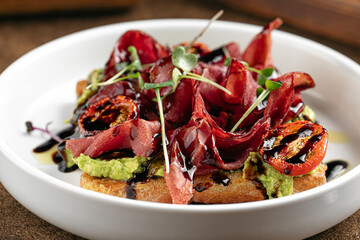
(271,151)
(220,178)
(57,156)
(334,169)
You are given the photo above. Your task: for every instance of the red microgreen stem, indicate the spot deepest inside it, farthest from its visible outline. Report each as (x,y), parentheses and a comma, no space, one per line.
(30,127)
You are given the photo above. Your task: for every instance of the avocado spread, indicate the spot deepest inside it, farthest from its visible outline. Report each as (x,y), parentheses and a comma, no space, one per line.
(94,77)
(275,183)
(118,169)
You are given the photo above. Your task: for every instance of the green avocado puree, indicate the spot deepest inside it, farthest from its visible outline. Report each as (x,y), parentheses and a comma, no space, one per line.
(118,169)
(94,77)
(275,183)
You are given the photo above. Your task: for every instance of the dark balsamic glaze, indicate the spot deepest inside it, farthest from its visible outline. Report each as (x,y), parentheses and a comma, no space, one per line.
(121,153)
(260,187)
(130,191)
(213,56)
(300,157)
(202,186)
(62,166)
(142,177)
(335,168)
(220,178)
(58,157)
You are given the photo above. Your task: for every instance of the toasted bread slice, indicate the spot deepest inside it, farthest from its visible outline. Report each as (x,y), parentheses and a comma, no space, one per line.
(206,190)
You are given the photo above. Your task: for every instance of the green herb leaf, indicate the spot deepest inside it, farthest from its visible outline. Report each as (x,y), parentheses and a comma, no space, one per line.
(227,61)
(183,60)
(267,72)
(261,79)
(158,85)
(136,60)
(140,81)
(176,77)
(120,66)
(259,90)
(272,85)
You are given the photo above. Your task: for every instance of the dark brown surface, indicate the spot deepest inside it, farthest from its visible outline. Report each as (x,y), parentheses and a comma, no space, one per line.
(335,19)
(18,35)
(9,7)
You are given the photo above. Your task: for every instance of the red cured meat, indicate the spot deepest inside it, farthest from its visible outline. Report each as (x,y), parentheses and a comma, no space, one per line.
(259,49)
(137,135)
(148,49)
(199,147)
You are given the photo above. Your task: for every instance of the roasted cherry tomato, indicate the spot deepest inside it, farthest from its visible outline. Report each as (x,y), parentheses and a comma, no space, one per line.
(294,148)
(107,113)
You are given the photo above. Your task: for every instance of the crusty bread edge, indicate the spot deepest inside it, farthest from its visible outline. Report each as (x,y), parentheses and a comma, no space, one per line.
(205,189)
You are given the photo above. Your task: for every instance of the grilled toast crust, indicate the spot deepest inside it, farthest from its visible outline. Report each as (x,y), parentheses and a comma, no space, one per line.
(206,190)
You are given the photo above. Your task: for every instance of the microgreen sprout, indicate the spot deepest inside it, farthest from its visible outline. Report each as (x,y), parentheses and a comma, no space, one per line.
(135,65)
(263,74)
(30,127)
(214,18)
(157,87)
(186,62)
(270,86)
(262,94)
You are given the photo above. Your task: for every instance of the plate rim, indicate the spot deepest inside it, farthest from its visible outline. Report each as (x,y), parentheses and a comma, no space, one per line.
(38,52)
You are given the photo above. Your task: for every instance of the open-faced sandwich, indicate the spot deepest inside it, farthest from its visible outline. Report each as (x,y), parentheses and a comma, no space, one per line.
(184,124)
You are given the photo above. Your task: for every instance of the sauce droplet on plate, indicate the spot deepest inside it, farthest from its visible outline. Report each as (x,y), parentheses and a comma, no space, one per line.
(335,169)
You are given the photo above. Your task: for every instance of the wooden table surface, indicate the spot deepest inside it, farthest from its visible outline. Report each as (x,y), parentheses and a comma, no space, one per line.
(20,34)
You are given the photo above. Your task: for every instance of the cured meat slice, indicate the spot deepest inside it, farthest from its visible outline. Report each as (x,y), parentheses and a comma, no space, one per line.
(148,49)
(137,135)
(258,51)
(200,148)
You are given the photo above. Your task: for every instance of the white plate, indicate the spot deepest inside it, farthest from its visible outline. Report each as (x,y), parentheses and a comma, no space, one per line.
(40,87)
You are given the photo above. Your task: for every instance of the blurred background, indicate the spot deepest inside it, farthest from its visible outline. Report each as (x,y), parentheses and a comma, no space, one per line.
(25,25)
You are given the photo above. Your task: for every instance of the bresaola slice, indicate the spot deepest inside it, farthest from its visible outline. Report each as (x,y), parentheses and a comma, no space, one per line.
(280,100)
(231,146)
(177,106)
(137,135)
(201,147)
(258,51)
(179,186)
(148,49)
(285,102)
